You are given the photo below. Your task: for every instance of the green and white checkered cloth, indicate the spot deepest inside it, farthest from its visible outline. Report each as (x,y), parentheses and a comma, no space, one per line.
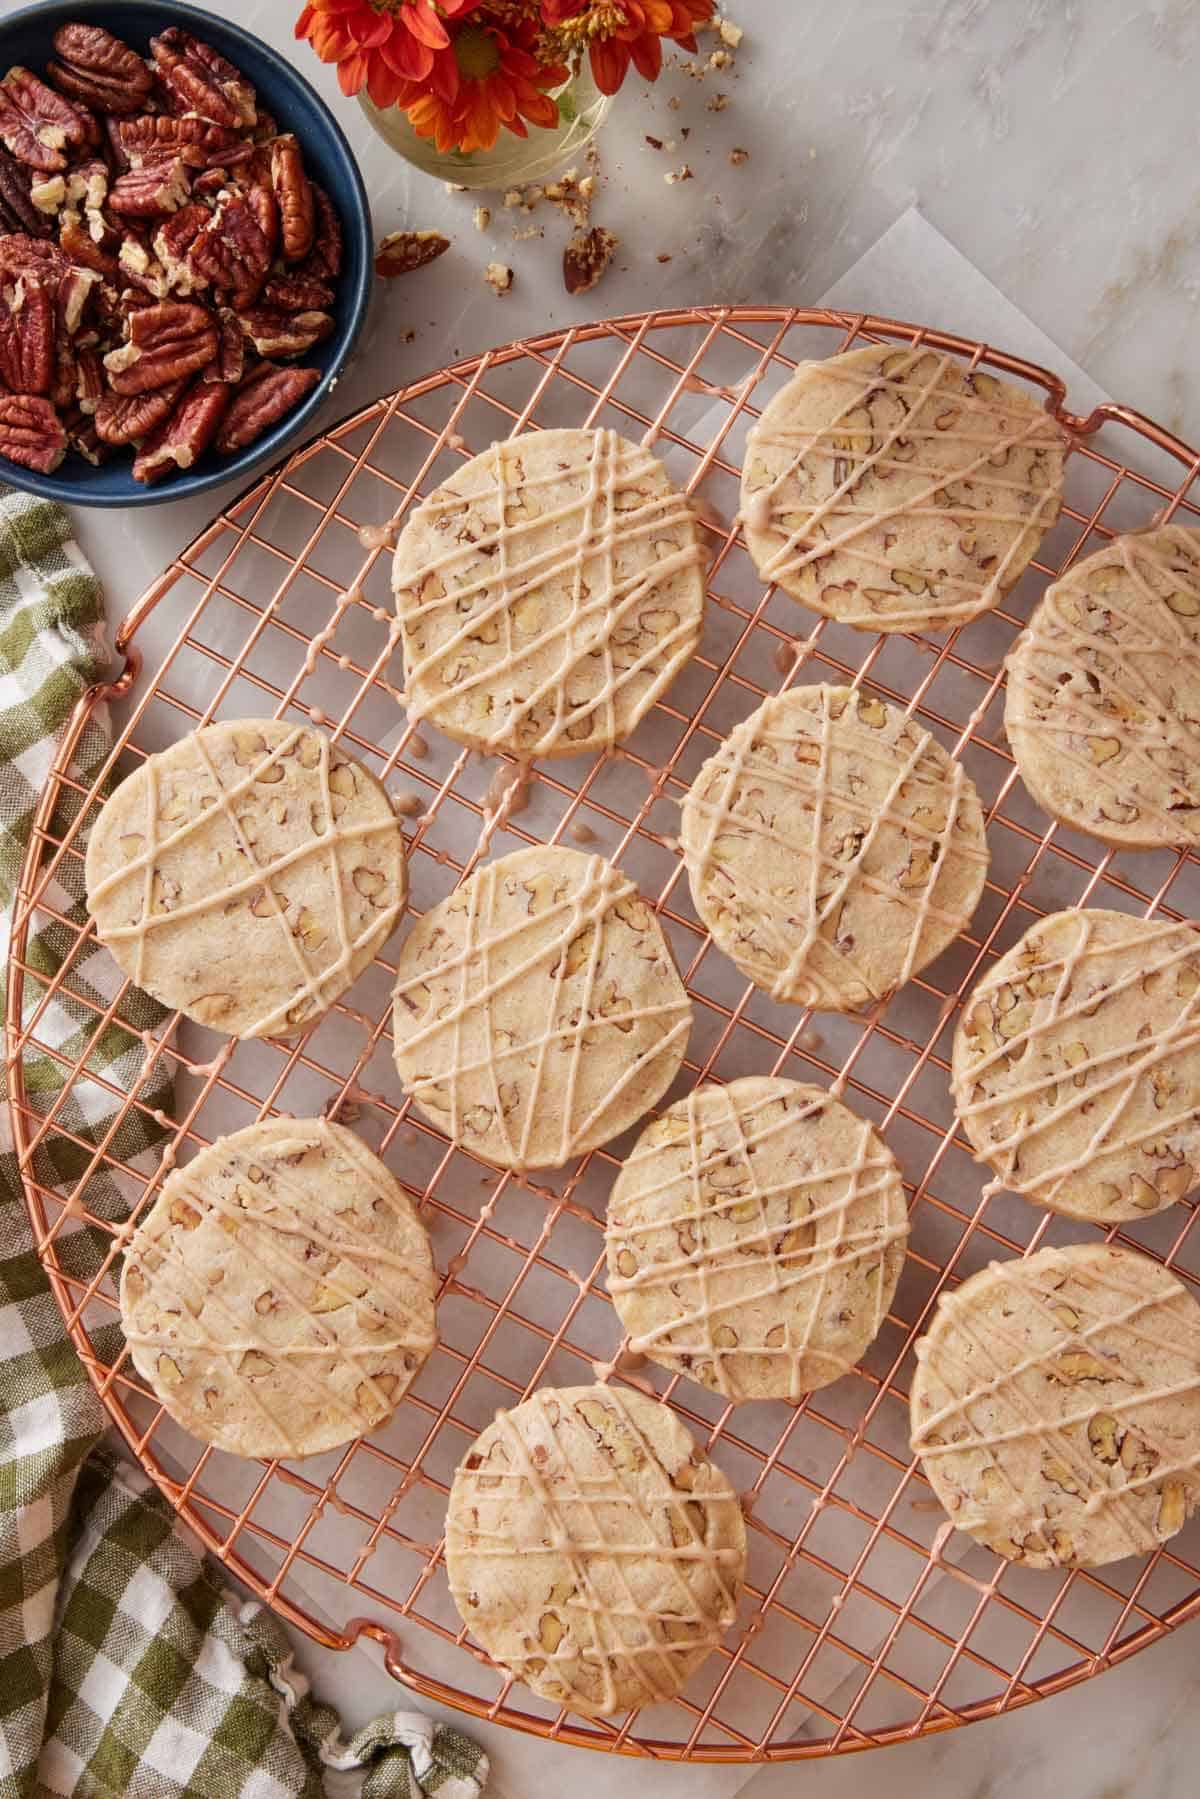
(128,1669)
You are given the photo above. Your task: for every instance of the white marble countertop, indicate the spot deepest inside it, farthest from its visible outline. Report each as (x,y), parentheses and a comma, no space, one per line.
(1054,145)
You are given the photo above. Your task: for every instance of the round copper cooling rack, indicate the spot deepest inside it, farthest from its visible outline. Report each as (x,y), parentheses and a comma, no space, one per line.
(861,1623)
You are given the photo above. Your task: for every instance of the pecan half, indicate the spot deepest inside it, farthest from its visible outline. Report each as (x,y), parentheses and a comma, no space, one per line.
(37,124)
(265,211)
(295,292)
(151,191)
(123,419)
(17,210)
(98,69)
(261,401)
(166,341)
(200,80)
(21,254)
(324,260)
(275,333)
(400,252)
(31,432)
(156,137)
(294,196)
(115,154)
(232,252)
(229,363)
(27,324)
(186,433)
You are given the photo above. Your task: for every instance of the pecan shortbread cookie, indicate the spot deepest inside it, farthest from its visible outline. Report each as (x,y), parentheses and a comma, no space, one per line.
(278,1296)
(1077,1065)
(1103,706)
(592,1550)
(247,875)
(549,592)
(897,490)
(755,1237)
(538,1011)
(1056,1406)
(833,847)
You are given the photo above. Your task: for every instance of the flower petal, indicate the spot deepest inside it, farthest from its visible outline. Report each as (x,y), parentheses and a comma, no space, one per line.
(425,25)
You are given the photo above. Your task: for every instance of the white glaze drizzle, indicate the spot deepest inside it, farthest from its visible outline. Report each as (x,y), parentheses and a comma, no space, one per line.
(464,961)
(599,1523)
(793,929)
(1152,948)
(795,1276)
(1070,681)
(975,1362)
(801,443)
(584,535)
(265,1236)
(314,980)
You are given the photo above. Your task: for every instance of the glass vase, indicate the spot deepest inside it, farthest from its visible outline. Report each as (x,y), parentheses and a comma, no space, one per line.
(512,161)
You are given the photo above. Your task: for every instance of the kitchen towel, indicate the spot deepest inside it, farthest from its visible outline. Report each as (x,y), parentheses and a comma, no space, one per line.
(127,1667)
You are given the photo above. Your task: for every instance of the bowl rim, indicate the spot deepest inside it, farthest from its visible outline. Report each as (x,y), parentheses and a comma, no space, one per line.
(275,442)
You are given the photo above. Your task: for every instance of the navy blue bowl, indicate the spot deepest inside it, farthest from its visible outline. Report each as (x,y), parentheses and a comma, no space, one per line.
(25,37)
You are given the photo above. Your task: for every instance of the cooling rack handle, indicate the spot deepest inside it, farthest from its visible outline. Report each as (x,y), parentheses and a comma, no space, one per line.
(389,1642)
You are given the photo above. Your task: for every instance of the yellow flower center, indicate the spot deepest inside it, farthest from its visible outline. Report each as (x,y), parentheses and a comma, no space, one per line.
(475,53)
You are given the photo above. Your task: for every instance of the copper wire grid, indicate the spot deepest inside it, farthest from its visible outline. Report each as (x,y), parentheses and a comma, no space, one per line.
(860,1625)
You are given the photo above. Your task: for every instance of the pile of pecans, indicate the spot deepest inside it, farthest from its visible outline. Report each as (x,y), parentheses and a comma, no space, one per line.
(161,250)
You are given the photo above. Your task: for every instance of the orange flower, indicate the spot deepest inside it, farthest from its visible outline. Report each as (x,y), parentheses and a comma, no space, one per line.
(488,77)
(618,32)
(379,44)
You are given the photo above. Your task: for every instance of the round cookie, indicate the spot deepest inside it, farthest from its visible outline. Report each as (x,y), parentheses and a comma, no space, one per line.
(1103,704)
(278,1296)
(247,875)
(537,1009)
(1056,1406)
(755,1237)
(592,1550)
(833,847)
(548,593)
(897,490)
(1076,1065)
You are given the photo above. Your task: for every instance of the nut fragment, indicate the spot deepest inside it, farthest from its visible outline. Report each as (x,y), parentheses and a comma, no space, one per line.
(586,258)
(274,332)
(400,252)
(1173,1510)
(19,212)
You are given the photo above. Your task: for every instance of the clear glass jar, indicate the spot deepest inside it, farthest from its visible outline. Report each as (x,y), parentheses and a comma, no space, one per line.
(512,161)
